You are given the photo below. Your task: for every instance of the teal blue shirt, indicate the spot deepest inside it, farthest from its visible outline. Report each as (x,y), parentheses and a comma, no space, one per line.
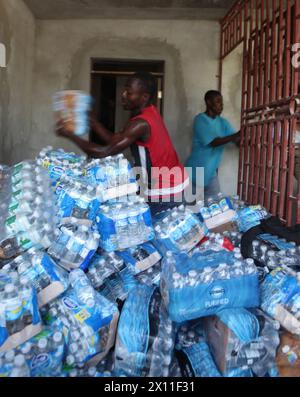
(206,129)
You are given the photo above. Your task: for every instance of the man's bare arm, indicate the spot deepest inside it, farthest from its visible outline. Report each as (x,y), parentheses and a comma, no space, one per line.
(222,141)
(136,130)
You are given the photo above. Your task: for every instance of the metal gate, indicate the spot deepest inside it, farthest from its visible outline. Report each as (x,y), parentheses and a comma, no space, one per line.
(268,162)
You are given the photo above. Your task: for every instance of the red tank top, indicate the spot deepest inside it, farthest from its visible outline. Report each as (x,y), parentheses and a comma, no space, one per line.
(158,158)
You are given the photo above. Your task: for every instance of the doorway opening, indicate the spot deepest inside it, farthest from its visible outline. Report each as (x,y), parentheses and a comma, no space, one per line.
(108,77)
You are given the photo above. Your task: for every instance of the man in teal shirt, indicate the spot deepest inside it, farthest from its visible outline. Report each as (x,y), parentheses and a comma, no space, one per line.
(211,133)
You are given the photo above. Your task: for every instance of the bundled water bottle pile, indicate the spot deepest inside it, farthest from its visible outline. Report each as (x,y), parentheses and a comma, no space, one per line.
(38,357)
(75,246)
(113,296)
(18,307)
(250,216)
(37,268)
(76,198)
(85,319)
(222,279)
(112,176)
(280,297)
(28,210)
(178,230)
(217,206)
(107,274)
(124,224)
(272,251)
(145,341)
(59,163)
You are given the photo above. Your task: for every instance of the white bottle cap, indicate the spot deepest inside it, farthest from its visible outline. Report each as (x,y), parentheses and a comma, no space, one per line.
(19,360)
(57,337)
(42,343)
(73,348)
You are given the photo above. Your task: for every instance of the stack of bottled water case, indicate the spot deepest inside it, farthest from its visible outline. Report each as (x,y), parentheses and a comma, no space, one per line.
(59,162)
(19,314)
(110,276)
(251,340)
(75,246)
(251,216)
(220,278)
(76,198)
(140,258)
(150,276)
(214,206)
(28,210)
(70,262)
(194,356)
(41,272)
(40,356)
(125,224)
(145,340)
(280,297)
(178,230)
(112,176)
(272,251)
(87,320)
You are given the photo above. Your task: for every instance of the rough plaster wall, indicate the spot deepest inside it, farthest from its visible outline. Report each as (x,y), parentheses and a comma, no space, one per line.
(63,53)
(17,31)
(231,90)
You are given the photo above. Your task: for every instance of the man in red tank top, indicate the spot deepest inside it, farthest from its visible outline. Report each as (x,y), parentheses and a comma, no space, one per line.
(163,177)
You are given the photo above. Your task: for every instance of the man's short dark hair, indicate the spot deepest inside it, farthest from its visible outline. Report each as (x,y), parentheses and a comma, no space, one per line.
(211,95)
(147,81)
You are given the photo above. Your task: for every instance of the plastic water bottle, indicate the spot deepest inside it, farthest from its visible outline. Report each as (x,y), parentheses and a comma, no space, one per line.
(13,310)
(121,224)
(263,251)
(26,296)
(57,341)
(224,202)
(43,346)
(223,272)
(255,248)
(133,223)
(237,269)
(43,278)
(206,275)
(204,211)
(82,286)
(249,266)
(192,278)
(213,207)
(123,169)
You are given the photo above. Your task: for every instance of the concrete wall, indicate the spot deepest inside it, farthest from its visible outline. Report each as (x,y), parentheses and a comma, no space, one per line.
(231,90)
(17,33)
(64,49)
